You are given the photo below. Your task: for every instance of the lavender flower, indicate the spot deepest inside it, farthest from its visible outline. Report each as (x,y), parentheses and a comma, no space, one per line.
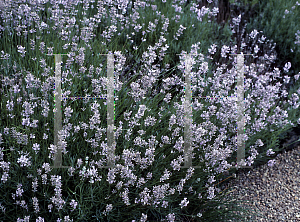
(73,204)
(21,50)
(24,161)
(184,202)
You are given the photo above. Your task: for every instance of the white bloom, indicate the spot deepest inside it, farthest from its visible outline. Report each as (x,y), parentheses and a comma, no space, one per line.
(212,49)
(184,202)
(199,215)
(287,67)
(269,152)
(24,161)
(253,34)
(224,50)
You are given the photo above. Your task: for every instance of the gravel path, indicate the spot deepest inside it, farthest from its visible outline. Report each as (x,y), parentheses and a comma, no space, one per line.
(271,192)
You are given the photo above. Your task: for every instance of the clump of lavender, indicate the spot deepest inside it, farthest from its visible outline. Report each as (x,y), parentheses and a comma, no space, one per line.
(148,182)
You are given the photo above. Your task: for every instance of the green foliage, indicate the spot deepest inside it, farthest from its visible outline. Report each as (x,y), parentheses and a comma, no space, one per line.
(244,2)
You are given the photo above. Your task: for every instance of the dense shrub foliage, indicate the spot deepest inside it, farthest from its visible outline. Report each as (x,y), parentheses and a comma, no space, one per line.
(149,183)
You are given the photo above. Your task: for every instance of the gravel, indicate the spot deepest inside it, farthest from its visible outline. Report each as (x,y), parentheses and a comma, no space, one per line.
(271,192)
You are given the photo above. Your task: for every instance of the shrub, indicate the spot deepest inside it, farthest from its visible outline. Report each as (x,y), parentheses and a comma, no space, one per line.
(149,116)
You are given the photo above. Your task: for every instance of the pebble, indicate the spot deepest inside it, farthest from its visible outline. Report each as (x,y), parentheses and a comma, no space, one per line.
(272,193)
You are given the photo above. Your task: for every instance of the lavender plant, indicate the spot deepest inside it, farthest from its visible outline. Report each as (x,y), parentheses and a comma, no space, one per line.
(278,20)
(148,184)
